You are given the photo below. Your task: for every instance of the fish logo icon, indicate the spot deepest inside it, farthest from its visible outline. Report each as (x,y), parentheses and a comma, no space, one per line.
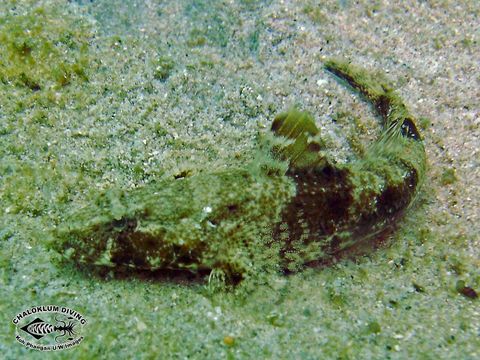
(39,328)
(49,327)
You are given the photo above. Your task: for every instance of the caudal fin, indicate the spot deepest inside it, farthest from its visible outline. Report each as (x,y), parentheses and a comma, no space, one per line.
(387,103)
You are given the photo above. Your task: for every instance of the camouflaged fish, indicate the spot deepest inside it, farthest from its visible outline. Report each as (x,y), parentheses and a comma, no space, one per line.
(291,207)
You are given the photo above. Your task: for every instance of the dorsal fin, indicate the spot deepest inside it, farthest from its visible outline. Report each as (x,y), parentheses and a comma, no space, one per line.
(299,127)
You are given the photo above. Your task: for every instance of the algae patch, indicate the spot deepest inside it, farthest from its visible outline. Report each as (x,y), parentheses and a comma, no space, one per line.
(42,48)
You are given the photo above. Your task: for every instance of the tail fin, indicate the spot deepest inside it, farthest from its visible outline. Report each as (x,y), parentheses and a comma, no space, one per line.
(389,106)
(400,139)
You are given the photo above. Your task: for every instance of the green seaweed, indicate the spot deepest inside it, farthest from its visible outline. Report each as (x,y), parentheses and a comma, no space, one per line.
(40,49)
(163,68)
(448,177)
(253,39)
(315,13)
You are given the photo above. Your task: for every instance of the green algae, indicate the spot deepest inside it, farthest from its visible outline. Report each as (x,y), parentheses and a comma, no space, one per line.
(163,68)
(196,38)
(42,48)
(315,13)
(448,177)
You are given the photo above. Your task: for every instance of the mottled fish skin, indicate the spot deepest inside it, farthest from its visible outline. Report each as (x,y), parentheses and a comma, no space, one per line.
(218,220)
(336,206)
(224,221)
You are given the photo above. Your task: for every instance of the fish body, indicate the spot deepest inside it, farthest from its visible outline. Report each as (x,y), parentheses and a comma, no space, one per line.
(291,208)
(218,220)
